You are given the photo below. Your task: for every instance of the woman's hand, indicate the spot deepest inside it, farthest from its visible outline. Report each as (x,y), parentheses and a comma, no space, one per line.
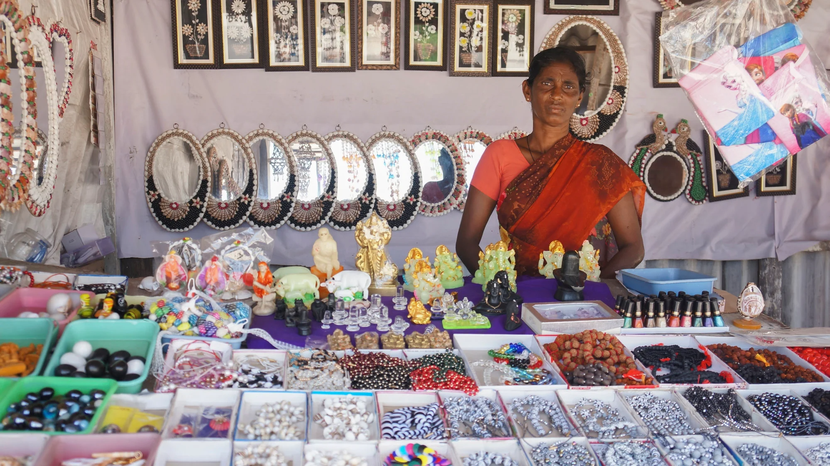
(627,232)
(477,212)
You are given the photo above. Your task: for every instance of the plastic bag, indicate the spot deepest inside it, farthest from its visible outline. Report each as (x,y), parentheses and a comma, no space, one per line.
(757,86)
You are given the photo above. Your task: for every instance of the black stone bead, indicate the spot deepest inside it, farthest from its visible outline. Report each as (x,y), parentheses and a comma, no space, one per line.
(119,356)
(60,425)
(101,353)
(33,397)
(33,423)
(74,395)
(97,394)
(47,393)
(79,374)
(118,369)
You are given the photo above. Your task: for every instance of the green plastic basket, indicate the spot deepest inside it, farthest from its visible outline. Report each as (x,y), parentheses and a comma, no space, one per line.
(138,337)
(5,383)
(61,385)
(24,332)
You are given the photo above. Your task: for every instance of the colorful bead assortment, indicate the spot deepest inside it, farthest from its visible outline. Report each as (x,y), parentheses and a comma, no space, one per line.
(763,365)
(516,355)
(415,453)
(818,357)
(178,315)
(590,347)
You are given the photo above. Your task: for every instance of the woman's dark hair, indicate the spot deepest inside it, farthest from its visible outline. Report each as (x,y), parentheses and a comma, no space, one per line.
(564,55)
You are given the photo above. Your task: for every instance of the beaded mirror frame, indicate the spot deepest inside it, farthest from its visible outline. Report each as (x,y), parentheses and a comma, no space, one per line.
(14,187)
(513,134)
(459,139)
(398,214)
(58,33)
(40,190)
(225,215)
(273,213)
(172,215)
(452,199)
(592,126)
(346,213)
(310,215)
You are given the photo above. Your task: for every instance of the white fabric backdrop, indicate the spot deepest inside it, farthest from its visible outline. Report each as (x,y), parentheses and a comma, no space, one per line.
(151,96)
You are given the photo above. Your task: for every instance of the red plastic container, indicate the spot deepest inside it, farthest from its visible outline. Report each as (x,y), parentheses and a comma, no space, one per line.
(35,299)
(66,447)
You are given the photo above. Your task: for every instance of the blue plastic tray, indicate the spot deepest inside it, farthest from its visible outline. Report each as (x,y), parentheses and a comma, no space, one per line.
(653,281)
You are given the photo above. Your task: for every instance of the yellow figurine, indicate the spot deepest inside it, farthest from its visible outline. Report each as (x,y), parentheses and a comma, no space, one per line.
(448,268)
(551,259)
(418,313)
(589,261)
(372,234)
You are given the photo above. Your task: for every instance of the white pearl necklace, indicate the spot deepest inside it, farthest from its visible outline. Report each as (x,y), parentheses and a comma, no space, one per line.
(333,458)
(345,418)
(277,421)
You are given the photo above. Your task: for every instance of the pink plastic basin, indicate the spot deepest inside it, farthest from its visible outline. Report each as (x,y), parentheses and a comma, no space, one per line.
(66,447)
(35,299)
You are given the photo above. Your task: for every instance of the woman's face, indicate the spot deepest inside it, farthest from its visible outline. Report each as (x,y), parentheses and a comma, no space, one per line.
(554,94)
(757,76)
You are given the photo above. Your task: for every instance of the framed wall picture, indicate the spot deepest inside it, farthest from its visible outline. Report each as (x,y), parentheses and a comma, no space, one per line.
(778,180)
(425,35)
(662,75)
(239,29)
(194,43)
(470,45)
(378,34)
(98,10)
(334,36)
(512,37)
(285,35)
(723,184)
(582,7)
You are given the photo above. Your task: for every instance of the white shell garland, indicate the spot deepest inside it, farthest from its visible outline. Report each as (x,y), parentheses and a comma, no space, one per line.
(61,34)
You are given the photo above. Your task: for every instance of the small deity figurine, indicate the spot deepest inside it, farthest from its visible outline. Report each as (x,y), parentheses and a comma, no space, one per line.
(264,295)
(418,313)
(324,253)
(414,257)
(318,309)
(589,261)
(106,310)
(417,340)
(391,340)
(491,303)
(750,305)
(339,341)
(494,258)
(171,273)
(448,268)
(514,316)
(551,259)
(439,340)
(570,281)
(372,234)
(212,279)
(427,286)
(303,323)
(368,340)
(86,311)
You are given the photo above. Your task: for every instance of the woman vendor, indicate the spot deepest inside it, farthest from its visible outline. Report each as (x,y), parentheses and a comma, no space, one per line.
(551,186)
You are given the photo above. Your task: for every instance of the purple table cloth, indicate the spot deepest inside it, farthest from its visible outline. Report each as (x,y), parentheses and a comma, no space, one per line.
(532,289)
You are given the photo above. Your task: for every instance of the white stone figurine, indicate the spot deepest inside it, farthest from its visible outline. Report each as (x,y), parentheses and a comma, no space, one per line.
(324,253)
(345,284)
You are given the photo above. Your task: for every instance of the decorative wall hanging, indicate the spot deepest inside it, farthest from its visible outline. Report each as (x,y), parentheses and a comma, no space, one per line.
(470,45)
(471,144)
(662,75)
(582,7)
(513,134)
(379,36)
(669,164)
(16,169)
(97,102)
(194,44)
(778,180)
(286,36)
(355,197)
(442,171)
(334,36)
(317,180)
(239,33)
(176,180)
(607,83)
(98,10)
(398,177)
(45,169)
(723,184)
(425,35)
(233,178)
(60,36)
(513,37)
(797,7)
(276,179)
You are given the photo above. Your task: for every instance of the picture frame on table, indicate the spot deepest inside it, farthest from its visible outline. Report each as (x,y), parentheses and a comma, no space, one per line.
(379,34)
(662,75)
(285,35)
(98,10)
(723,184)
(582,7)
(194,35)
(238,30)
(512,30)
(779,180)
(425,35)
(333,30)
(470,38)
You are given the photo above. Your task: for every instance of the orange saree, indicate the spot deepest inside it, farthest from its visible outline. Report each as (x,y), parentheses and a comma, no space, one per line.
(562,196)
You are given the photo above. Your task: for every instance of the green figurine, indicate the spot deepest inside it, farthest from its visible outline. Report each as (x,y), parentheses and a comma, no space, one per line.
(496,257)
(448,268)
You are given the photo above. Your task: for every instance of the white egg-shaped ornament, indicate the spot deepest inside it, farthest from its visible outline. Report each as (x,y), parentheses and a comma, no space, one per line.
(135,366)
(82,349)
(73,360)
(28,315)
(60,303)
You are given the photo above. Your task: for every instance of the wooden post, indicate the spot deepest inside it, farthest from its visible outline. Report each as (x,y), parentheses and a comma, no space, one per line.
(770,281)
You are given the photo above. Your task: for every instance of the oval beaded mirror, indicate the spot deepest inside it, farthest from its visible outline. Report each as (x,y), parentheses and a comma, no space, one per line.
(233,178)
(471,144)
(356,181)
(277,183)
(398,178)
(607,73)
(47,148)
(316,179)
(513,134)
(176,180)
(442,171)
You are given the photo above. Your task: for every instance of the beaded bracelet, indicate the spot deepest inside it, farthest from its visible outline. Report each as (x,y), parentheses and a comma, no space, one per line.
(758,455)
(486,458)
(416,422)
(788,414)
(566,453)
(414,454)
(721,409)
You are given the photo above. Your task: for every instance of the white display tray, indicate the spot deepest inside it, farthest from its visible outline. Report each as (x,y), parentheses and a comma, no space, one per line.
(254,399)
(491,395)
(733,442)
(757,419)
(387,447)
(817,416)
(315,430)
(611,397)
(508,447)
(194,453)
(367,450)
(187,398)
(807,442)
(293,450)
(151,403)
(277,356)
(507,397)
(695,421)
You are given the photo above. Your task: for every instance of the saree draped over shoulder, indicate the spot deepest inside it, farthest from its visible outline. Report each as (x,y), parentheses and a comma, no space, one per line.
(562,196)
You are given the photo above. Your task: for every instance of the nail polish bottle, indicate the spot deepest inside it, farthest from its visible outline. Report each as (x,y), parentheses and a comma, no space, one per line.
(638,315)
(650,323)
(707,314)
(618,308)
(662,296)
(629,312)
(674,320)
(716,317)
(698,320)
(686,320)
(661,313)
